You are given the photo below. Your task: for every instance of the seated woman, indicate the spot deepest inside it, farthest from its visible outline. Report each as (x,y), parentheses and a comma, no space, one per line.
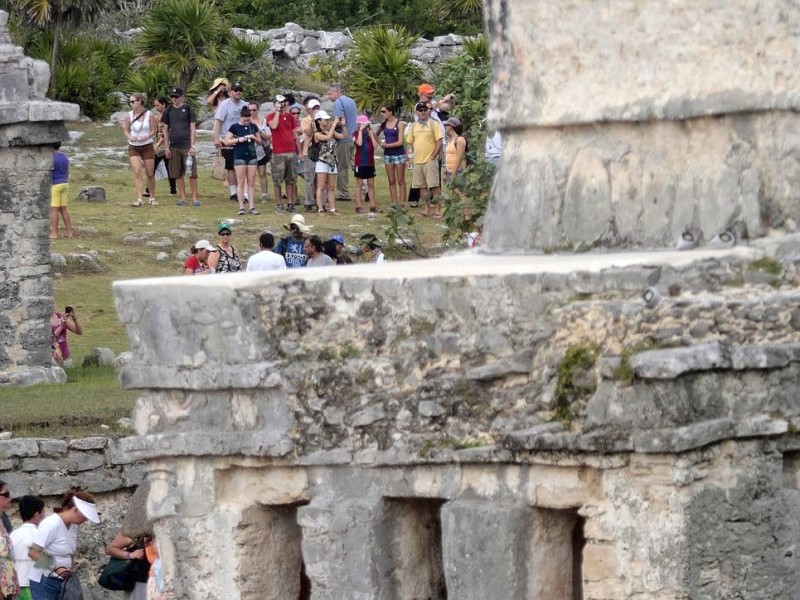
(197,263)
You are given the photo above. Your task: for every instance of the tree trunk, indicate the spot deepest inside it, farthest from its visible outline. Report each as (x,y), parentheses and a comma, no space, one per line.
(53,58)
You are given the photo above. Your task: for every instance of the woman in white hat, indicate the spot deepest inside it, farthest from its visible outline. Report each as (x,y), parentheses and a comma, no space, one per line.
(197,263)
(56,541)
(325,136)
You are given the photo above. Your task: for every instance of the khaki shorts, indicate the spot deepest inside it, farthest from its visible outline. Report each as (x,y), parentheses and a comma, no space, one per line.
(426,175)
(146,152)
(177,164)
(283,168)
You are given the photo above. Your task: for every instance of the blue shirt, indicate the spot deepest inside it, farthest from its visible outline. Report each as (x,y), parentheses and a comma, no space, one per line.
(60,168)
(345,106)
(292,251)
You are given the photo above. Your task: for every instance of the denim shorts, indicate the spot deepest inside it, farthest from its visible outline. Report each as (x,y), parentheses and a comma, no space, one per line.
(400,159)
(49,588)
(239,162)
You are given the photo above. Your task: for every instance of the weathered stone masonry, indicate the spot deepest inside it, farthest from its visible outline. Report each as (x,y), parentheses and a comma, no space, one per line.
(399,438)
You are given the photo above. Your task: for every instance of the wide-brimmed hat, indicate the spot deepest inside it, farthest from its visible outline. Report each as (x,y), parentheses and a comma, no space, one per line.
(218,81)
(300,221)
(370,239)
(87,509)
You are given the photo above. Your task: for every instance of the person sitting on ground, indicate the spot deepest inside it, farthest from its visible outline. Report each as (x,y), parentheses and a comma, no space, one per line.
(371,249)
(226,258)
(59,193)
(334,248)
(31,511)
(292,247)
(60,323)
(266,259)
(316,257)
(197,263)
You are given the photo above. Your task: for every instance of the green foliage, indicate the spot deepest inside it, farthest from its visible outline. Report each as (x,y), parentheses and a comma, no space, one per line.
(246,63)
(766,265)
(403,234)
(187,37)
(327,68)
(465,200)
(574,380)
(381,72)
(624,372)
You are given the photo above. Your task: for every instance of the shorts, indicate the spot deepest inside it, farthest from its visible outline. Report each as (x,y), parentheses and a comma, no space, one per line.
(58,195)
(146,152)
(426,175)
(283,168)
(454,177)
(240,162)
(227,154)
(400,159)
(177,164)
(263,161)
(364,172)
(321,167)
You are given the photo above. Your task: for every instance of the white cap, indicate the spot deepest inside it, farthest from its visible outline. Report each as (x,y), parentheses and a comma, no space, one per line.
(313,103)
(321,115)
(87,509)
(205,245)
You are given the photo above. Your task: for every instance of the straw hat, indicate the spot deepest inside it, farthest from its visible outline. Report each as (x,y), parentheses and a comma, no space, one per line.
(218,81)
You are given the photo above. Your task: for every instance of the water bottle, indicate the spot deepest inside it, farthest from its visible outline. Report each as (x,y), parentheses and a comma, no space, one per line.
(189,164)
(410,161)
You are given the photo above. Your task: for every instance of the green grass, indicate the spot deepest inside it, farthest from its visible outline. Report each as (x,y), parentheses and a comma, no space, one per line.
(93,397)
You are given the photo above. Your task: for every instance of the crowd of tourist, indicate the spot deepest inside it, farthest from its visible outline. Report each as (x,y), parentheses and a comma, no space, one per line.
(301,141)
(300,248)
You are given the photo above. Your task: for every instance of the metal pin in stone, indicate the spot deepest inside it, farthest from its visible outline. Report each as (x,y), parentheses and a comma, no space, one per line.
(651,296)
(726,239)
(687,240)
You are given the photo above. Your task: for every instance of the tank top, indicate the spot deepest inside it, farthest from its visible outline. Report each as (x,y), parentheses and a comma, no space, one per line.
(141,127)
(392,136)
(451,164)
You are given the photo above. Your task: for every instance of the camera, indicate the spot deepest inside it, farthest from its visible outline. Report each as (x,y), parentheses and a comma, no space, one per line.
(68,310)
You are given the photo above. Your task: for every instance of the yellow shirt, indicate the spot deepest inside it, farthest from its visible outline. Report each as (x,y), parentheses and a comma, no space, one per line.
(424,137)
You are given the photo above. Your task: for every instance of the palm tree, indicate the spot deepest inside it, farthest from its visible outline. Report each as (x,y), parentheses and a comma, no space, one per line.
(381,71)
(61,16)
(187,37)
(455,8)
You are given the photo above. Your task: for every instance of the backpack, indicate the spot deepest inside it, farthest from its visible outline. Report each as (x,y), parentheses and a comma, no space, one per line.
(313,151)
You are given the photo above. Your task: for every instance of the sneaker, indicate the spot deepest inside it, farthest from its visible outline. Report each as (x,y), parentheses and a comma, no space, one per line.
(247,199)
(310,207)
(253,211)
(290,208)
(196,203)
(279,208)
(180,203)
(241,211)
(234,198)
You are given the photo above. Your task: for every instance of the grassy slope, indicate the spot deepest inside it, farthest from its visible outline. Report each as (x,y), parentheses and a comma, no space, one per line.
(93,396)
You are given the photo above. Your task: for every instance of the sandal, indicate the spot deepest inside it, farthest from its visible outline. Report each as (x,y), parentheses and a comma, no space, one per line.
(137,203)
(333,211)
(153,202)
(374,209)
(359,209)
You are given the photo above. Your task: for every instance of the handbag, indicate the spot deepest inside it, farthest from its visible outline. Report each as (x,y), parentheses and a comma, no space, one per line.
(121,575)
(218,170)
(71,588)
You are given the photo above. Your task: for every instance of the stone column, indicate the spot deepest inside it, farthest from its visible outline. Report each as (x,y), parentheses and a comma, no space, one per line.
(627,123)
(29,126)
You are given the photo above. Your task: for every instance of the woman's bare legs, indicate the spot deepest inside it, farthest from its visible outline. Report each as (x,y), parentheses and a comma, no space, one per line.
(150,171)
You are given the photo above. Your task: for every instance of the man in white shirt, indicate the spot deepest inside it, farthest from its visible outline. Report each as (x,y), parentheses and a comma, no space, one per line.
(31,510)
(266,260)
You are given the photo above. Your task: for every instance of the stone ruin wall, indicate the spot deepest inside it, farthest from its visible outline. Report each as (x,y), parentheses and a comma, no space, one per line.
(29,126)
(630,122)
(399,437)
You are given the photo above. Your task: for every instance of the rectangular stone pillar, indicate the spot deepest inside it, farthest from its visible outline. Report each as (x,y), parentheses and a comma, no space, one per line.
(339,543)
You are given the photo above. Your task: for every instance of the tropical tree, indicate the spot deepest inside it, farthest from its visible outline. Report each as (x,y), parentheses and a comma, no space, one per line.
(381,71)
(187,37)
(60,17)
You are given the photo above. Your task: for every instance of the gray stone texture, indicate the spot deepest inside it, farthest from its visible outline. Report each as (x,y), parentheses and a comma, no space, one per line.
(29,126)
(623,142)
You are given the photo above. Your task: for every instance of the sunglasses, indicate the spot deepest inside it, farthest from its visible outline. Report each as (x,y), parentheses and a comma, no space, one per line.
(225,233)
(6,494)
(292,227)
(236,89)
(423,109)
(132,100)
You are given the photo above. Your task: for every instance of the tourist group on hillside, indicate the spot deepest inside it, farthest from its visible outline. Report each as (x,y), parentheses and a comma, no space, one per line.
(297,140)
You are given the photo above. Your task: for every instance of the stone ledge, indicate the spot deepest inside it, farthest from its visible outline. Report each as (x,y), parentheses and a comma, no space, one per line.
(202,443)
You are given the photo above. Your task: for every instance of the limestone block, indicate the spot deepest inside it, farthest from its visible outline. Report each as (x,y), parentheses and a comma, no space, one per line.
(674,362)
(579,63)
(335,40)
(23,447)
(52,448)
(99,357)
(292,49)
(88,443)
(309,44)
(93,193)
(84,263)
(647,183)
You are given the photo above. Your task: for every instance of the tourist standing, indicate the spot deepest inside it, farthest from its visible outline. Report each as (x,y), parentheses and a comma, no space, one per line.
(160,105)
(31,511)
(263,150)
(59,193)
(426,137)
(228,113)
(325,139)
(218,92)
(60,323)
(140,130)
(394,153)
(364,162)
(285,148)
(180,131)
(308,128)
(244,136)
(56,542)
(345,111)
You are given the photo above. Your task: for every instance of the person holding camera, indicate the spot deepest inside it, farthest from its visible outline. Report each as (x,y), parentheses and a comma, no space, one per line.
(364,164)
(60,323)
(285,129)
(244,136)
